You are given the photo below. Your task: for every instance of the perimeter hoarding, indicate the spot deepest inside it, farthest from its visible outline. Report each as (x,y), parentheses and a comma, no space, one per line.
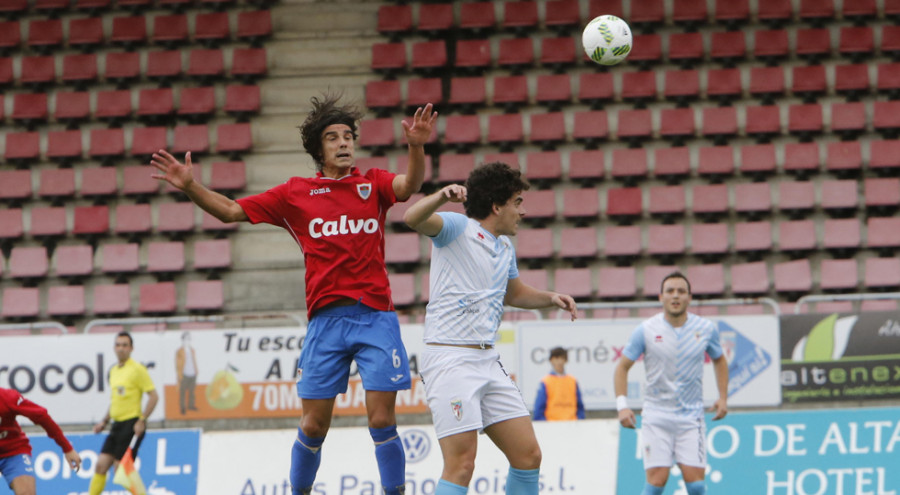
(822,452)
(579,458)
(167,460)
(751,345)
(834,357)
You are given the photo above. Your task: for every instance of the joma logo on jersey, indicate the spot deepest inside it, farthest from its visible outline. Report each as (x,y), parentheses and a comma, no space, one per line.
(321,190)
(318,227)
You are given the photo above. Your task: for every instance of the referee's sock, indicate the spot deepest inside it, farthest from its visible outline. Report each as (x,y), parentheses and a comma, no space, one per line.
(652,489)
(97,484)
(696,487)
(305,457)
(391,459)
(522,481)
(444,487)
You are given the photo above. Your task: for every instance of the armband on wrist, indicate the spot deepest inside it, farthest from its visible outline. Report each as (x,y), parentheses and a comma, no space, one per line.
(621,403)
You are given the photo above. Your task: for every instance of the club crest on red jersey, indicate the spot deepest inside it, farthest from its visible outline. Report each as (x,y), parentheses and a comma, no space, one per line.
(364,190)
(456,406)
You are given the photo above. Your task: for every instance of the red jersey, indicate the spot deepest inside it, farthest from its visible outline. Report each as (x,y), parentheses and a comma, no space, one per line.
(339,225)
(12,439)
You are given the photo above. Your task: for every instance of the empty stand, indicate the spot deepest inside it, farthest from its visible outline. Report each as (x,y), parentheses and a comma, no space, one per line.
(48,223)
(86,34)
(20,303)
(590,127)
(707,280)
(158,298)
(214,254)
(752,238)
(793,277)
(709,240)
(65,301)
(73,261)
(838,275)
(749,278)
(615,282)
(882,273)
(204,295)
(58,184)
(28,263)
(109,300)
(797,237)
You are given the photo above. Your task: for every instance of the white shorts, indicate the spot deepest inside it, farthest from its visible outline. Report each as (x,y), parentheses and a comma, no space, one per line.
(468,389)
(667,438)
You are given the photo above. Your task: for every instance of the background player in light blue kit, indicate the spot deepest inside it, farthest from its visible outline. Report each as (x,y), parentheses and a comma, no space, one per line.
(473,274)
(673,344)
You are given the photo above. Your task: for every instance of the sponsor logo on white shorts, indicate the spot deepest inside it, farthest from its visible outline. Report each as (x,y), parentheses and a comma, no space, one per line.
(456,407)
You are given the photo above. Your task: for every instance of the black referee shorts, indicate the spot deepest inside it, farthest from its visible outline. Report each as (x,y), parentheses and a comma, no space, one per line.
(120,438)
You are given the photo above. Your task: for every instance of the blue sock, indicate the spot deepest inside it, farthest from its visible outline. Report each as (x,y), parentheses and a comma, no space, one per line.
(696,487)
(391,459)
(444,487)
(522,481)
(652,490)
(305,457)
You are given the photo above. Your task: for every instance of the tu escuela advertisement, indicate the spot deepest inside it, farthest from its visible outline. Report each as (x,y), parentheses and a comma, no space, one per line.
(835,357)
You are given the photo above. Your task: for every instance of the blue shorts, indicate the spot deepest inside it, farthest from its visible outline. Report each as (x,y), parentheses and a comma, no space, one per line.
(16,465)
(341,334)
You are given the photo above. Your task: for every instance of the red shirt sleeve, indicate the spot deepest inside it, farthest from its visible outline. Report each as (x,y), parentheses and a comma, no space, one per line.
(266,207)
(39,416)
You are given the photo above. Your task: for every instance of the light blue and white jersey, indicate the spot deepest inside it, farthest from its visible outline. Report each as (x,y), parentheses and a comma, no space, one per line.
(470,269)
(673,360)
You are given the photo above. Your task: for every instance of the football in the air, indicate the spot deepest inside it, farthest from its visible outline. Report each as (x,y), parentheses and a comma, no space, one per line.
(607,40)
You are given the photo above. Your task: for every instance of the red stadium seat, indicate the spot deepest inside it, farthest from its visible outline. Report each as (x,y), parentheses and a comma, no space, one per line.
(38,71)
(48,222)
(665,241)
(574,281)
(709,240)
(890,41)
(770,46)
(797,237)
(204,66)
(677,124)
(73,261)
(79,69)
(163,66)
(254,26)
(624,203)
(402,249)
(590,127)
(801,158)
(578,243)
(882,273)
(20,302)
(86,34)
(12,8)
(98,182)
(615,282)
(595,88)
(92,7)
(233,139)
(71,107)
(667,201)
(622,241)
(646,50)
(132,220)
(728,48)
(228,176)
(715,162)
(197,104)
(809,82)
(137,180)
(428,56)
(170,30)
(193,138)
(671,164)
(382,96)
(685,49)
(519,16)
(211,28)
(882,196)
(805,120)
(605,7)
(651,13)
(752,238)
(547,129)
(886,118)
(473,54)
(28,262)
(682,86)
(394,20)
(11,225)
(586,166)
(516,54)
(884,156)
(851,80)
(816,11)
(22,147)
(250,63)
(796,198)
(813,44)
(214,254)
(653,277)
(58,183)
(581,204)
(388,57)
(689,13)
(510,92)
(753,200)
(455,168)
(477,17)
(749,278)
(766,83)
(844,158)
(710,201)
(707,280)
(45,35)
(543,166)
(639,87)
(859,10)
(535,244)
(107,144)
(148,140)
(204,296)
(838,275)
(117,259)
(839,197)
(562,15)
(629,165)
(758,160)
(175,218)
(462,131)
(558,53)
(158,298)
(793,277)
(842,236)
(242,101)
(112,299)
(113,106)
(121,68)
(540,205)
(156,105)
(435,19)
(6,77)
(129,32)
(634,126)
(857,43)
(848,120)
(467,93)
(553,90)
(732,13)
(65,301)
(763,122)
(29,108)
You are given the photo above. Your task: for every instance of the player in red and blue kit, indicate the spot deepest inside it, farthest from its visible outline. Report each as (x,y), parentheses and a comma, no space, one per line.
(337,218)
(15,450)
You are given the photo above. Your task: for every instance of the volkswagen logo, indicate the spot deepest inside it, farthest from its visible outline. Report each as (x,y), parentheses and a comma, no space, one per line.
(416,444)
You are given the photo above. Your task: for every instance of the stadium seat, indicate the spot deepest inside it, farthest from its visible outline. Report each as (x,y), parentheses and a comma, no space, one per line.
(211,28)
(809,82)
(577,282)
(39,71)
(723,85)
(709,240)
(213,254)
(473,55)
(63,301)
(682,86)
(622,243)
(686,49)
(71,108)
(73,261)
(228,176)
(122,68)
(28,263)
(540,206)
(715,162)
(886,118)
(558,53)
(133,219)
(766,83)
(107,144)
(148,140)
(590,127)
(543,167)
(553,90)
(666,241)
(477,18)
(623,204)
(467,93)
(581,205)
(13,8)
(890,41)
(48,222)
(462,131)
(58,184)
(22,148)
(163,66)
(129,32)
(856,43)
(455,168)
(838,275)
(134,6)
(91,7)
(753,200)
(137,181)
(98,182)
(547,130)
(388,58)
(248,64)
(882,196)
(884,156)
(797,237)
(119,259)
(646,50)
(749,278)
(762,122)
(157,298)
(29,108)
(707,280)
(206,296)
(519,16)
(813,44)
(605,7)
(586,166)
(534,244)
(689,13)
(403,288)
(848,120)
(639,87)
(672,164)
(805,120)
(793,277)
(882,273)
(11,226)
(516,54)
(796,198)
(629,165)
(710,201)
(758,160)
(156,105)
(851,81)
(381,96)
(254,26)
(816,12)
(20,303)
(510,92)
(859,11)
(841,236)
(79,69)
(634,126)
(578,243)
(428,56)
(728,48)
(111,300)
(193,138)
(844,158)
(752,238)
(801,159)
(653,277)
(651,13)
(770,46)
(562,15)
(45,35)
(6,77)
(175,219)
(615,282)
(839,197)
(677,124)
(234,139)
(595,89)
(206,66)
(114,106)
(402,249)
(197,104)
(86,34)
(774,12)
(170,30)
(667,202)
(435,19)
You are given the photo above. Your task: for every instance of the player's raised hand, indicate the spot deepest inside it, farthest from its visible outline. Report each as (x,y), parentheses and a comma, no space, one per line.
(626,418)
(73,459)
(418,132)
(566,302)
(454,193)
(720,408)
(174,172)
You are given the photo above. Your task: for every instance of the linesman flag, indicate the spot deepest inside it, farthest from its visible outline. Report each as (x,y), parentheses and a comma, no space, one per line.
(127,475)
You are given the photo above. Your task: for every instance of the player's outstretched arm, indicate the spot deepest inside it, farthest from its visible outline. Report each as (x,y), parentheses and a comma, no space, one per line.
(720,367)
(620,384)
(421,216)
(417,134)
(521,295)
(180,176)
(39,416)
(73,459)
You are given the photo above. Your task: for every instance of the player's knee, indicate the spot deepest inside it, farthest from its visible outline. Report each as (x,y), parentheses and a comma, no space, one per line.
(531,458)
(314,427)
(658,476)
(461,469)
(381,420)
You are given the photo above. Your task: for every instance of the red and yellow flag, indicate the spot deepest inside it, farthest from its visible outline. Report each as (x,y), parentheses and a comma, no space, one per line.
(128,476)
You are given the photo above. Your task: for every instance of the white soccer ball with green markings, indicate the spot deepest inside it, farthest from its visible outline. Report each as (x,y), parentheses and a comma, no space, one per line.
(607,40)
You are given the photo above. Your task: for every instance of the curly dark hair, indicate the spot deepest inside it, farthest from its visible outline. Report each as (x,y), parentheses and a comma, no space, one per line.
(492,184)
(325,112)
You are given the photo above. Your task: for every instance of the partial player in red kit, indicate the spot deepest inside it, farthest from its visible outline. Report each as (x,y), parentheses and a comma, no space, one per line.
(337,218)
(15,450)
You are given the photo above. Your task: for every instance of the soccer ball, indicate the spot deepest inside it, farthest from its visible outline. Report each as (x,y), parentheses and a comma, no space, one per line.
(607,40)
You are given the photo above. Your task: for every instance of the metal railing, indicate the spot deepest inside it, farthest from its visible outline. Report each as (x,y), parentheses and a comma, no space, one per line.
(697,302)
(866,296)
(242,317)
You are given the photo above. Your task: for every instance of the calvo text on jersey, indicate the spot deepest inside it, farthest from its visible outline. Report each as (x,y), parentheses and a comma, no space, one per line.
(319,227)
